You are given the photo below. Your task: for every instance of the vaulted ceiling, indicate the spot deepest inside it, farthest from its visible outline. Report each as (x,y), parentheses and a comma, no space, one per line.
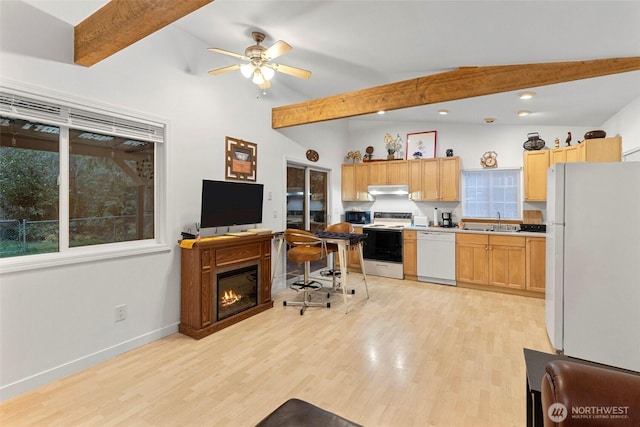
(356,45)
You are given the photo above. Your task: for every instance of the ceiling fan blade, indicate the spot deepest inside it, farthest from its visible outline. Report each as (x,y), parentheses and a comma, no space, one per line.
(279,48)
(224,69)
(292,71)
(265,85)
(226,52)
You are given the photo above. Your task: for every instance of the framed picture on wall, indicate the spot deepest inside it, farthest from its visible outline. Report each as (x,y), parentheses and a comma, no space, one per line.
(421,145)
(241,159)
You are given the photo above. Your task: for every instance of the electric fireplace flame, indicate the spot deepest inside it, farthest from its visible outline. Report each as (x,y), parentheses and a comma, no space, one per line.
(229,297)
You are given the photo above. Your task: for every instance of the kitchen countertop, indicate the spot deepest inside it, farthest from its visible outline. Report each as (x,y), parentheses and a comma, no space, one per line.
(463,231)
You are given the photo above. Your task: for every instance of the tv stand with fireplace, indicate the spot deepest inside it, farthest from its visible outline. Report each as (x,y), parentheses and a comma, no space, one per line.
(224,281)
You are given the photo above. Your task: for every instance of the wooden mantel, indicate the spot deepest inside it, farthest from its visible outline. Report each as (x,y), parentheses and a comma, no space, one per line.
(465,82)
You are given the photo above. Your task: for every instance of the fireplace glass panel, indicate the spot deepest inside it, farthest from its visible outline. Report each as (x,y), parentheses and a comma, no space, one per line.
(237,291)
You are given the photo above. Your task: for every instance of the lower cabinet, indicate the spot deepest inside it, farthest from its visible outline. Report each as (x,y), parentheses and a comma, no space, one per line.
(500,262)
(536,264)
(410,254)
(507,263)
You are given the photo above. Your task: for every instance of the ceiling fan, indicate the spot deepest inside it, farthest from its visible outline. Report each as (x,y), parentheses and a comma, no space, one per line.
(259,66)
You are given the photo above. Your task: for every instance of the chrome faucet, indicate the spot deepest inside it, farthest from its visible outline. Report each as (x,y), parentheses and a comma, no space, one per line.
(499,222)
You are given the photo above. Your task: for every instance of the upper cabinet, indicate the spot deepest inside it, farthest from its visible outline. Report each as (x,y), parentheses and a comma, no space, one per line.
(435,179)
(536,163)
(388,172)
(355,182)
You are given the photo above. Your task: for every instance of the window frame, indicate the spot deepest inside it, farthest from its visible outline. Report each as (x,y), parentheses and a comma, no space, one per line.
(517,170)
(138,123)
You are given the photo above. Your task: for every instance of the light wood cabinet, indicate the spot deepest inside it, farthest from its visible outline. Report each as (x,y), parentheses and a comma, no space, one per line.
(536,164)
(507,261)
(600,150)
(536,264)
(435,179)
(493,260)
(388,172)
(472,262)
(410,254)
(355,181)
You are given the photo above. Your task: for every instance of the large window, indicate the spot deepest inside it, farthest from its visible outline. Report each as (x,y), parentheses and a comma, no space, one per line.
(87,183)
(489,191)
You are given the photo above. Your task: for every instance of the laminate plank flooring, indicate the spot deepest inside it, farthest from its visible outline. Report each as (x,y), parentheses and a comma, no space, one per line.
(414,354)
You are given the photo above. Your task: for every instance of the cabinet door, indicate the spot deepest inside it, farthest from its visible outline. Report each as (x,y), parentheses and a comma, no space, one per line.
(349,182)
(415,180)
(397,173)
(449,178)
(603,149)
(507,265)
(472,258)
(507,261)
(536,164)
(572,154)
(430,179)
(362,182)
(377,173)
(410,254)
(557,155)
(536,263)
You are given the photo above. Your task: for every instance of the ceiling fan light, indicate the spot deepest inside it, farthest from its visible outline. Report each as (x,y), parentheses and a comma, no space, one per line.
(257,77)
(267,72)
(247,70)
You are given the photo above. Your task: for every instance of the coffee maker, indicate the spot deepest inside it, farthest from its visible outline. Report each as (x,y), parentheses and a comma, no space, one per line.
(446,220)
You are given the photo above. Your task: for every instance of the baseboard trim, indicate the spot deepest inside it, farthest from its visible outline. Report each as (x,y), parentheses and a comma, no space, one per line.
(37,380)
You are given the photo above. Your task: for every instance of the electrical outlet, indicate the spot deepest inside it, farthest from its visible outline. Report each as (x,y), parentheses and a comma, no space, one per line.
(121,312)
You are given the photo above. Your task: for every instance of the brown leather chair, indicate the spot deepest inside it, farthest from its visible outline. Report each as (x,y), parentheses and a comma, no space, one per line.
(332,248)
(305,247)
(575,394)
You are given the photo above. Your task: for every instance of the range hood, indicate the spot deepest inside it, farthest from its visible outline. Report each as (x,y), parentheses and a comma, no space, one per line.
(376,190)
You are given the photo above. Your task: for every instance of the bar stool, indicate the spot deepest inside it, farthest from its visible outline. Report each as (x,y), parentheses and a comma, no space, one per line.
(305,247)
(332,248)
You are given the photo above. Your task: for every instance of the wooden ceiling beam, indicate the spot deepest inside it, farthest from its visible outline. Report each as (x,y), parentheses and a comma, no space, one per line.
(465,82)
(120,23)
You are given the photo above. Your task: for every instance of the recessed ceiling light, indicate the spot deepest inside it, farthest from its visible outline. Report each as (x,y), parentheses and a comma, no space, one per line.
(381,112)
(489,120)
(526,95)
(522,113)
(443,112)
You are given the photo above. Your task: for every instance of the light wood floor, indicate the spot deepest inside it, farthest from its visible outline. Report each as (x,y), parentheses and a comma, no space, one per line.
(414,354)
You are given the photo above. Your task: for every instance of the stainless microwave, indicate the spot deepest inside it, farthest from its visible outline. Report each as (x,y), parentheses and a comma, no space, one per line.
(358,217)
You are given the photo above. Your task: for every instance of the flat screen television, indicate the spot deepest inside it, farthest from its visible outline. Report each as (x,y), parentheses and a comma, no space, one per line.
(226,203)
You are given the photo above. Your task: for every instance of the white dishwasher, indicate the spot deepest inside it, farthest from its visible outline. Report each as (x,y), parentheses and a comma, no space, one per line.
(437,257)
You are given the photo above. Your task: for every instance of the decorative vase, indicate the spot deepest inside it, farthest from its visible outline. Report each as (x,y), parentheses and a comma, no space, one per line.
(391,156)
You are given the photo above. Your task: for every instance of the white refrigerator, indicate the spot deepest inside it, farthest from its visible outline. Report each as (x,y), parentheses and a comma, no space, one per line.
(592,301)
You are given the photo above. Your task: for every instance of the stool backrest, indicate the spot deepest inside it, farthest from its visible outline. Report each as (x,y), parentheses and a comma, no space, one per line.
(340,227)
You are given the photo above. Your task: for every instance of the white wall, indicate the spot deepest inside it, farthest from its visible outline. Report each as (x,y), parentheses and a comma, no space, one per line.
(55,321)
(626,123)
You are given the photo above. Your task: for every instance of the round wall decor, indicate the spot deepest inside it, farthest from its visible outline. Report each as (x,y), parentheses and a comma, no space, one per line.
(489,159)
(312,155)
